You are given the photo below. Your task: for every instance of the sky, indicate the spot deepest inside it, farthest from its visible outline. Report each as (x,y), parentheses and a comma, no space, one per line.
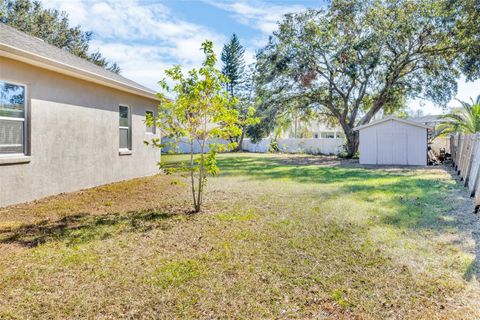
(145,37)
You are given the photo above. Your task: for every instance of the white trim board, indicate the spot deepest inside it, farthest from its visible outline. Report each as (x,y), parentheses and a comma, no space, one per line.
(391,118)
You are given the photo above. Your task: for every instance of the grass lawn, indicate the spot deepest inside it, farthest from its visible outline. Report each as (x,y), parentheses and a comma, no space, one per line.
(280,237)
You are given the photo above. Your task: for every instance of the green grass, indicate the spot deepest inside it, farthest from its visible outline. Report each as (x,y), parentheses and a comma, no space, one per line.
(279,237)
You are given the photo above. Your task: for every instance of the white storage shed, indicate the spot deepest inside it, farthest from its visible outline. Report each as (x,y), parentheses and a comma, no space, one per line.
(393,141)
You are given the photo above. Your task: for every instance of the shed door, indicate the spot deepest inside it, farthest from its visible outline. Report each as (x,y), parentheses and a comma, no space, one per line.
(392,148)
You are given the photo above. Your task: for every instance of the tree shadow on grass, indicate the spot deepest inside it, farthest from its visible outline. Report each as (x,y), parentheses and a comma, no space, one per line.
(418,203)
(428,204)
(82,228)
(313,171)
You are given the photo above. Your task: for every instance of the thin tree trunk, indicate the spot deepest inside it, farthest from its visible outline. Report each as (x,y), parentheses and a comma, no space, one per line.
(192,177)
(240,143)
(200,185)
(201,170)
(295,130)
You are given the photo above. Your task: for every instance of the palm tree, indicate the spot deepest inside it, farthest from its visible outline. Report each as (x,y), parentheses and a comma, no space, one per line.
(465,119)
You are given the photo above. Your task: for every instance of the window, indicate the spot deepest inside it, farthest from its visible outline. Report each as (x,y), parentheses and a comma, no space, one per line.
(13,126)
(125,129)
(328,135)
(150,129)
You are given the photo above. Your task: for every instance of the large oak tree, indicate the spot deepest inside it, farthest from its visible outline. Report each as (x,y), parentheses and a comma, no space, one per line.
(357,57)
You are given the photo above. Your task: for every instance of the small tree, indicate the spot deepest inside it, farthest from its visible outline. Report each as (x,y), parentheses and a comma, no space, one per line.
(199,113)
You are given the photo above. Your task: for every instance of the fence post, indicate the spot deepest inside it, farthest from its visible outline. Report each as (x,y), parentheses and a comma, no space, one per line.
(468,167)
(457,145)
(463,163)
(458,157)
(452,148)
(475,166)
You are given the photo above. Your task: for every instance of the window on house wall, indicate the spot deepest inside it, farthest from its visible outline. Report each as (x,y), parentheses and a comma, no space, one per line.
(148,128)
(328,135)
(125,128)
(13,126)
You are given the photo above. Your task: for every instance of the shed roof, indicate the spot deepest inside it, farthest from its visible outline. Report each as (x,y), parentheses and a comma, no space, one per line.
(20,46)
(392,118)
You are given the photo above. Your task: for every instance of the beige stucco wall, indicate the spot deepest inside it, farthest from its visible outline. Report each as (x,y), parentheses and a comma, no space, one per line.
(74,136)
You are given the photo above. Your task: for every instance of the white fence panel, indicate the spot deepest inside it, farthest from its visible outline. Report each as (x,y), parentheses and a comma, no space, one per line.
(183,146)
(260,147)
(310,146)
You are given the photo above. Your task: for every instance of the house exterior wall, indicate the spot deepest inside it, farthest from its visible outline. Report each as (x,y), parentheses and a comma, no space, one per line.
(393,143)
(73,136)
(313,129)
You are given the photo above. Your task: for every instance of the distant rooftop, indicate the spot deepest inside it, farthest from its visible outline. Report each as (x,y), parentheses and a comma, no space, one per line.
(427,119)
(15,44)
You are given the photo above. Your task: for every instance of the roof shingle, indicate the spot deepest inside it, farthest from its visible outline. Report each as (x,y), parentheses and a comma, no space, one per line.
(18,40)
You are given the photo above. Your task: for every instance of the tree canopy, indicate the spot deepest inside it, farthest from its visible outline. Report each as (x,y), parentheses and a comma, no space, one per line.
(233,64)
(199,113)
(357,58)
(53,27)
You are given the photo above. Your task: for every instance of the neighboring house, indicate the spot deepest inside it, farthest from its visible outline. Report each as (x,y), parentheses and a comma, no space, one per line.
(430,120)
(65,123)
(316,129)
(435,142)
(393,141)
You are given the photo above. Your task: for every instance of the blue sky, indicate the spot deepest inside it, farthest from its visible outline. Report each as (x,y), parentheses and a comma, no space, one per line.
(145,37)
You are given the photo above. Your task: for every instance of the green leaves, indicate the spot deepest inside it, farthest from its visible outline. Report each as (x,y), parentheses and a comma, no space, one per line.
(463,120)
(357,58)
(233,65)
(200,112)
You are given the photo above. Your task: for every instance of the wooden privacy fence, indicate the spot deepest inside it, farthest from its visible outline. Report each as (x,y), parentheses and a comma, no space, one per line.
(465,150)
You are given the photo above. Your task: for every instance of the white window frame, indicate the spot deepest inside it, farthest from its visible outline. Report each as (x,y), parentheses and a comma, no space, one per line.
(25,120)
(154,127)
(129,128)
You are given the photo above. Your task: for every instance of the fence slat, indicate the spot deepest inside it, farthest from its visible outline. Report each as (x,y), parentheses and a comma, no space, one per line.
(458,160)
(471,172)
(475,166)
(467,157)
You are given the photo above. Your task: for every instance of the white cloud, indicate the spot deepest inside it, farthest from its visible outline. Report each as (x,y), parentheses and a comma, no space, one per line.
(142,63)
(142,37)
(465,92)
(257,14)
